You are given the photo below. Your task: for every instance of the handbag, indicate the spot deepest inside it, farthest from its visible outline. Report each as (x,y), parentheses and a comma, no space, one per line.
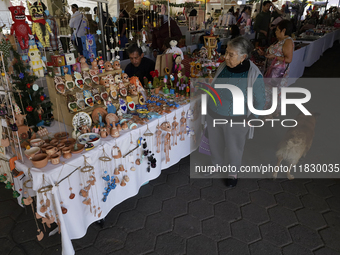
(204,147)
(275,72)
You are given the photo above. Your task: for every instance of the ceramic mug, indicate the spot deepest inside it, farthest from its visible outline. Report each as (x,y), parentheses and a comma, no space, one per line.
(60,146)
(55,159)
(43,147)
(51,150)
(54,142)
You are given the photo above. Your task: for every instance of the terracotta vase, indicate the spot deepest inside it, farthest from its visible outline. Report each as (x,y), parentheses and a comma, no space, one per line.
(66,152)
(157,90)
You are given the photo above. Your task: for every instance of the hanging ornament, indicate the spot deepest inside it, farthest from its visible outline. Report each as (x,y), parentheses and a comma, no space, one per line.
(16,108)
(99,32)
(21,76)
(28,85)
(144,36)
(111,40)
(50,50)
(42,98)
(114,19)
(35,87)
(97,19)
(138,43)
(71,46)
(29,108)
(60,48)
(130,36)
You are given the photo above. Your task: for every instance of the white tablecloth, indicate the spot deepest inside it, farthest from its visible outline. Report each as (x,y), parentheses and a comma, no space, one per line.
(297,66)
(74,224)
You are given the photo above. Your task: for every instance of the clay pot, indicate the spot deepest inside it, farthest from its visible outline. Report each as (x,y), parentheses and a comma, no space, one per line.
(32,152)
(51,150)
(68,142)
(157,90)
(43,147)
(80,148)
(36,142)
(55,159)
(47,140)
(60,146)
(40,160)
(54,142)
(66,152)
(61,135)
(58,152)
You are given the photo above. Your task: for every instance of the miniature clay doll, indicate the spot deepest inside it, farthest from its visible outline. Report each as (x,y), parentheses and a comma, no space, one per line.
(84,66)
(158,139)
(116,65)
(167,147)
(174,131)
(182,130)
(108,66)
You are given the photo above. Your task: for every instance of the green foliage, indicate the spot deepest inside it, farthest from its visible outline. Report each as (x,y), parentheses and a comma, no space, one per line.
(155,82)
(29,97)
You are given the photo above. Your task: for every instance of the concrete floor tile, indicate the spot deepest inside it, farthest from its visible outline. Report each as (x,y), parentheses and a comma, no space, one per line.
(201,209)
(296,249)
(282,216)
(159,223)
(201,245)
(335,189)
(201,183)
(247,184)
(111,239)
(288,200)
(55,250)
(315,203)
(187,226)
(227,211)
(245,231)
(170,243)
(178,180)
(6,226)
(262,198)
(188,193)
(216,229)
(88,251)
(140,242)
(305,237)
(131,221)
(32,247)
(6,245)
(310,218)
(334,203)
(233,246)
(326,251)
(275,234)
(149,205)
(263,247)
(164,191)
(237,196)
(318,190)
(270,186)
(332,219)
(27,231)
(212,195)
(331,237)
(254,213)
(295,187)
(175,207)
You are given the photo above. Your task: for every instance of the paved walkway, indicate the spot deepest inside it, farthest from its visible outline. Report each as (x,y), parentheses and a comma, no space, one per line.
(178,215)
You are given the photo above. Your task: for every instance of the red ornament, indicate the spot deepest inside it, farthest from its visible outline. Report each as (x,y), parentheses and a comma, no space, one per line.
(29,108)
(42,98)
(28,85)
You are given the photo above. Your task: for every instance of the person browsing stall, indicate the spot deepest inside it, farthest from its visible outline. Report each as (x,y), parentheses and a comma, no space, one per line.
(227,142)
(140,66)
(78,24)
(262,23)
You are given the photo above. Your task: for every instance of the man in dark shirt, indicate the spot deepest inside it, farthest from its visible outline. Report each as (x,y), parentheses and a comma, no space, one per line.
(262,22)
(140,66)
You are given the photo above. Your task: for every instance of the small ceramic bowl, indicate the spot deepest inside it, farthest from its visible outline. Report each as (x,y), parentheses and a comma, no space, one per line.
(54,142)
(36,142)
(61,135)
(43,147)
(60,146)
(32,152)
(40,160)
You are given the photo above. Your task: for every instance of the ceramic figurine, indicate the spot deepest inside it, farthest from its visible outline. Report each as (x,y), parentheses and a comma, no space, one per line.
(116,65)
(114,131)
(183,123)
(103,132)
(167,147)
(108,66)
(84,66)
(125,79)
(85,129)
(174,131)
(36,62)
(158,139)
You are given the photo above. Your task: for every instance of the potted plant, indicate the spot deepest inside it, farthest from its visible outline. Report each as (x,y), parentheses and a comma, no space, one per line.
(156,82)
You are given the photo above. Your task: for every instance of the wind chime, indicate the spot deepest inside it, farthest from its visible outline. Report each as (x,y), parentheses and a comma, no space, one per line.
(88,180)
(148,151)
(110,181)
(166,126)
